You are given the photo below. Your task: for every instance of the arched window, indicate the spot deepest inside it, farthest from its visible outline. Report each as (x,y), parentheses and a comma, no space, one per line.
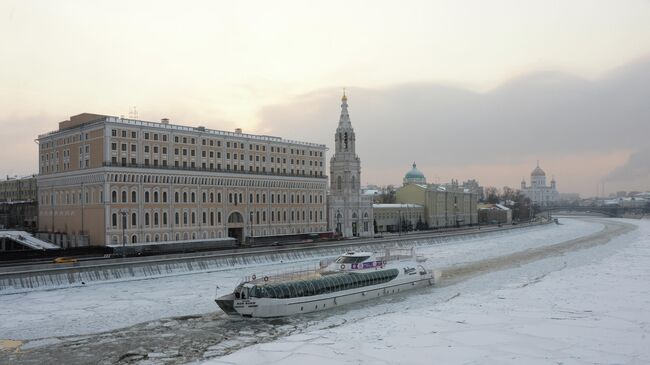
(176,218)
(185,218)
(114,219)
(146,197)
(193,218)
(124,197)
(176,197)
(146,219)
(155,219)
(193,197)
(211,197)
(184,197)
(164,218)
(339,183)
(155,197)
(134,220)
(134,239)
(164,197)
(114,196)
(134,197)
(205,197)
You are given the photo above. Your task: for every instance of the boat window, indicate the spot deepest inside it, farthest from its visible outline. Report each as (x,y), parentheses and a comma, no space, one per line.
(351,260)
(322,285)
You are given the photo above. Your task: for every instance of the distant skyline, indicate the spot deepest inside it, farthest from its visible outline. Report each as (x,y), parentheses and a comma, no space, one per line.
(468,89)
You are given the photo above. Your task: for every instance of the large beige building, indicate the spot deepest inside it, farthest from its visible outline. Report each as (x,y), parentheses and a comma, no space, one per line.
(105,179)
(436,205)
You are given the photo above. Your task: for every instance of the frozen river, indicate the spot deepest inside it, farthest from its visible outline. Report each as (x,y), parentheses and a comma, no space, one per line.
(174,319)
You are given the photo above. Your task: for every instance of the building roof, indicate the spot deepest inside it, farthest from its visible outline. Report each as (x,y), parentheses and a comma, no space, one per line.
(404,206)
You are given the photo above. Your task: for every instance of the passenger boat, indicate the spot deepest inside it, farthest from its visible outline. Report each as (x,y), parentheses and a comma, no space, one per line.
(351,278)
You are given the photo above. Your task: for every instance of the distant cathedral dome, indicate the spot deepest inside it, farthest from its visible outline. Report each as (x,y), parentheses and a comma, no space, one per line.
(538,171)
(414,176)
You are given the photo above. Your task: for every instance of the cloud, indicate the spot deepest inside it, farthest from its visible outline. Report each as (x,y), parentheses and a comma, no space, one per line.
(544,115)
(636,168)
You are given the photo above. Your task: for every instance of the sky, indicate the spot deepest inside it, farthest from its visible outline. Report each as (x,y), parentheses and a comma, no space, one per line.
(467,89)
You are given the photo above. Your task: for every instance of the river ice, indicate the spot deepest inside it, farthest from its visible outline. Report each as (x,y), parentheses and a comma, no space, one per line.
(560,309)
(103,307)
(587,307)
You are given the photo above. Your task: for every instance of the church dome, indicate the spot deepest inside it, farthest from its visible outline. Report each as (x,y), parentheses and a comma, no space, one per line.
(414,176)
(538,172)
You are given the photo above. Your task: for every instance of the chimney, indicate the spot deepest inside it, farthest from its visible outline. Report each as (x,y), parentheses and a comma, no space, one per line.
(164,121)
(238,130)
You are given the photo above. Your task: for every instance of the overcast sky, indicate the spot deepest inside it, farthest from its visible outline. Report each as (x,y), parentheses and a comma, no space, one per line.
(468,89)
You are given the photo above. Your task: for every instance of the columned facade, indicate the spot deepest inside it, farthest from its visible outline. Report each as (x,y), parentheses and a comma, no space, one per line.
(349,212)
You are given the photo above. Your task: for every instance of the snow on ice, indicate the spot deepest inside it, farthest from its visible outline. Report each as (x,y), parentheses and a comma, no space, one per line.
(590,306)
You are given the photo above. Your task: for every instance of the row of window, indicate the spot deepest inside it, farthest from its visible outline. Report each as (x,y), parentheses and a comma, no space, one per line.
(157,197)
(210,142)
(157,219)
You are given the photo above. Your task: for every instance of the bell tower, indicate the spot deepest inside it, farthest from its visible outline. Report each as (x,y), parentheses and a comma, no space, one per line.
(350,213)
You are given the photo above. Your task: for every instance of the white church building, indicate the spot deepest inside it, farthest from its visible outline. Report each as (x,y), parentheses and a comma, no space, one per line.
(349,212)
(538,192)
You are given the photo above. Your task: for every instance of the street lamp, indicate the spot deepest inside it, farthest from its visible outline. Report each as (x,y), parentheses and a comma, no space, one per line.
(123,213)
(399,223)
(338,223)
(250,224)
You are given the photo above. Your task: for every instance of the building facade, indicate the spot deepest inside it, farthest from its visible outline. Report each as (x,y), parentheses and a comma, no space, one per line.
(445,205)
(109,180)
(349,212)
(538,192)
(399,217)
(18,203)
(18,189)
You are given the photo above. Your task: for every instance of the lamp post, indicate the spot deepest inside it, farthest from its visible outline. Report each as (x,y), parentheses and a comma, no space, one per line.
(123,213)
(338,223)
(399,223)
(250,224)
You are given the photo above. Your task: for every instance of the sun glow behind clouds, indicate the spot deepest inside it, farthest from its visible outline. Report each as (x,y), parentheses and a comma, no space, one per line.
(217,63)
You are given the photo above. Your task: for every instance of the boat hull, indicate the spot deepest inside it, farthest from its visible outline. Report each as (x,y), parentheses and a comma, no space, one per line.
(274,307)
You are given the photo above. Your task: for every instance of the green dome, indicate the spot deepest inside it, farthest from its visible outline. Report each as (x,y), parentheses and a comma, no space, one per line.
(414,176)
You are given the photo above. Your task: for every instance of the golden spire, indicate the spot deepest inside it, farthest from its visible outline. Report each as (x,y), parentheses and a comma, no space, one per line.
(344,98)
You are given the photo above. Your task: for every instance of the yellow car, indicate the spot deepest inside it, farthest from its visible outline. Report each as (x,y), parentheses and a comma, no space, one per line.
(65,260)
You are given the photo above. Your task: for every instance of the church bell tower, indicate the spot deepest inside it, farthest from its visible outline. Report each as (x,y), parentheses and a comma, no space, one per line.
(350,213)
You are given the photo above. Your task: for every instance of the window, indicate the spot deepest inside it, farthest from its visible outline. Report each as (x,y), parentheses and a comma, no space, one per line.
(134,220)
(124,197)
(146,219)
(146,197)
(133,197)
(114,219)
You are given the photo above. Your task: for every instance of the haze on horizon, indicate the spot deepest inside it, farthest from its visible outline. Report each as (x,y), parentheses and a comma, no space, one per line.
(466,89)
